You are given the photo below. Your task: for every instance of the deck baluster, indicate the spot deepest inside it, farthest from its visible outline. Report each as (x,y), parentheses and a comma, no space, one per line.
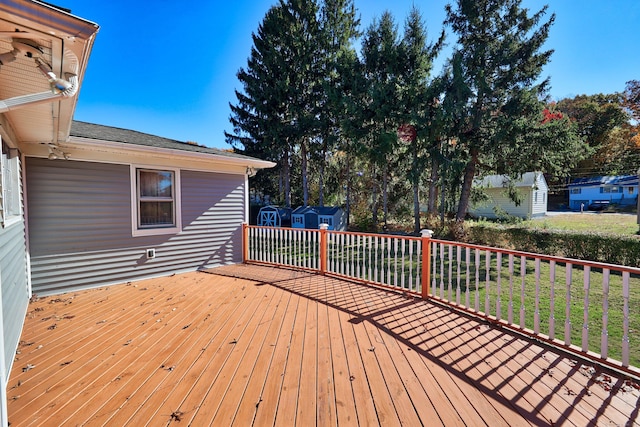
(585,316)
(388,258)
(498,285)
(604,342)
(458,260)
(477,265)
(523,272)
(625,319)
(536,309)
(412,286)
(467,294)
(376,260)
(487,282)
(395,262)
(567,309)
(434,268)
(552,300)
(450,275)
(510,315)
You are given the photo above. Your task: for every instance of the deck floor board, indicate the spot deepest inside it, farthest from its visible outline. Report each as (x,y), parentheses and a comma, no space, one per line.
(254,345)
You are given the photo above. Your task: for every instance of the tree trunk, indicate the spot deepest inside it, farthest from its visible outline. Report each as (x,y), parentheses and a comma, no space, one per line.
(287,178)
(433,189)
(415,182)
(465,194)
(305,180)
(348,191)
(385,193)
(323,164)
(374,199)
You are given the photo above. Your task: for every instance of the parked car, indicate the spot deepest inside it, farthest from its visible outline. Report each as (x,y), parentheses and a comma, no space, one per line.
(599,205)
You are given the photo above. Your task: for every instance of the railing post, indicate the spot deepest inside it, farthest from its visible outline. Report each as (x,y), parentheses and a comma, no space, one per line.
(426,261)
(323,248)
(245,242)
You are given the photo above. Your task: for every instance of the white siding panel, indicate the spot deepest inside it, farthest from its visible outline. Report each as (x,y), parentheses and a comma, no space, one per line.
(81,232)
(497,197)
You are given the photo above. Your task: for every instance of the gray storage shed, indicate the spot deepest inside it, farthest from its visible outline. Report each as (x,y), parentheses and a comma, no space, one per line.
(274,216)
(312,216)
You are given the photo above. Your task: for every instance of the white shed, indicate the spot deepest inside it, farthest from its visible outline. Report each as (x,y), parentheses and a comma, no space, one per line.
(533,191)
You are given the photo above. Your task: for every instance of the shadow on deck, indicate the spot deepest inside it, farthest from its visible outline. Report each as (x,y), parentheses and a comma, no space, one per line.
(252,345)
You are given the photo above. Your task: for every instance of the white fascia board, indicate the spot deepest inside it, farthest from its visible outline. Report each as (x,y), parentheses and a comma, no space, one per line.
(126,148)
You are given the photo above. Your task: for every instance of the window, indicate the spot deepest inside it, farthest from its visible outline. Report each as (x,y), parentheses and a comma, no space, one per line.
(157,201)
(576,190)
(10,182)
(630,190)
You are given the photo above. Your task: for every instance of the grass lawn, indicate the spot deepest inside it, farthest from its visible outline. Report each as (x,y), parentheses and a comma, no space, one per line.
(521,293)
(613,223)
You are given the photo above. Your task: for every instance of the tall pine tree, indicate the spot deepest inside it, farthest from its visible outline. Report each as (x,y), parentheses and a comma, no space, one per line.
(498,60)
(417,101)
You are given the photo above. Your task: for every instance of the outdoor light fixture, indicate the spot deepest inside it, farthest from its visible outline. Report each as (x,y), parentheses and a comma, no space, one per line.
(55,152)
(58,86)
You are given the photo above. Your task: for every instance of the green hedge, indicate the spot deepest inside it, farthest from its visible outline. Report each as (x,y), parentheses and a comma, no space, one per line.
(592,246)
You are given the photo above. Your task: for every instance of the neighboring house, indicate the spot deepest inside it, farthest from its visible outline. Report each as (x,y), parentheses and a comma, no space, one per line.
(620,190)
(533,191)
(89,205)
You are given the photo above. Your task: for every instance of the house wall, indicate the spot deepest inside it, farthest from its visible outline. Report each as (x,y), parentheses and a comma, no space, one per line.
(15,293)
(539,196)
(80,225)
(589,194)
(14,287)
(497,197)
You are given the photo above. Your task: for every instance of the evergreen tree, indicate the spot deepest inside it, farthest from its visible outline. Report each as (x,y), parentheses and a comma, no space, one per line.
(260,116)
(276,114)
(497,64)
(418,101)
(339,26)
(380,51)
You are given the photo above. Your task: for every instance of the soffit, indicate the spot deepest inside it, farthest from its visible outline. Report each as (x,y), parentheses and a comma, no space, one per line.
(59,40)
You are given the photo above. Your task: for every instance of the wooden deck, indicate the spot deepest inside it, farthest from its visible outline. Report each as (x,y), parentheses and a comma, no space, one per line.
(249,345)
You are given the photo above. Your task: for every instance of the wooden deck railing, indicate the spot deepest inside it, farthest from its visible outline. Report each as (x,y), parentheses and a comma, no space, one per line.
(588,308)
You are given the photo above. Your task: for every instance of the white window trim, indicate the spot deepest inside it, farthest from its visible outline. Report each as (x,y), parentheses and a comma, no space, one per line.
(8,220)
(137,232)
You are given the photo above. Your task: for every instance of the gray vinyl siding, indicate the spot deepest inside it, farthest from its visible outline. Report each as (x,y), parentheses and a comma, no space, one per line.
(15,296)
(80,226)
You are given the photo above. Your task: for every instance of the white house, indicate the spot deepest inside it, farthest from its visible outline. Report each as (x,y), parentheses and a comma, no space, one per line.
(533,191)
(620,190)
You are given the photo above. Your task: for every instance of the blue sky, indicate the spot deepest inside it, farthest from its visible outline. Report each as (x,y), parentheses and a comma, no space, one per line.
(175,64)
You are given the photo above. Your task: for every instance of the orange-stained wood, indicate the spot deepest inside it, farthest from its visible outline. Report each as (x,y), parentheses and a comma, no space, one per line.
(253,345)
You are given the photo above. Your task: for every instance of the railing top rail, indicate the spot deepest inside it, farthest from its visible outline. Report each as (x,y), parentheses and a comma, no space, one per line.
(563,260)
(266,227)
(356,233)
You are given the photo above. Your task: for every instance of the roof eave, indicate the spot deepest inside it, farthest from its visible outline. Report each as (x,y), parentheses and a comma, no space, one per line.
(166,152)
